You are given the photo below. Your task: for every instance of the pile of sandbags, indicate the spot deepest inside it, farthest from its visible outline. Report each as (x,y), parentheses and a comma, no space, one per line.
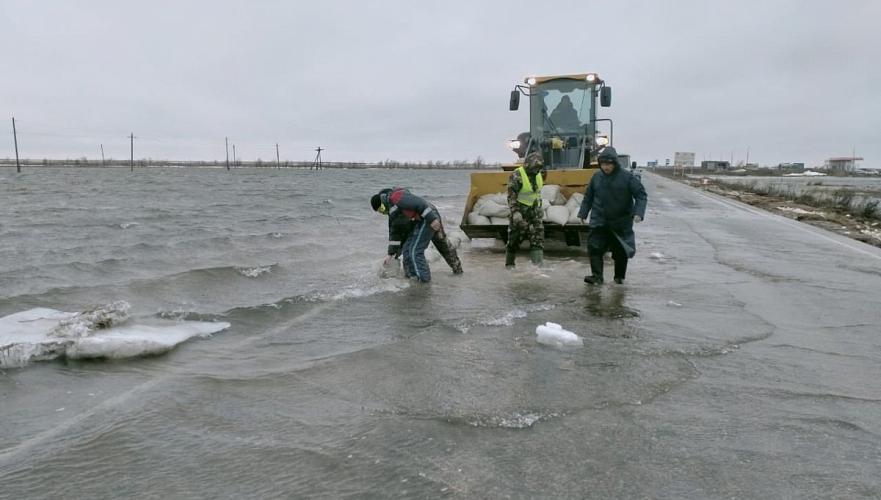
(493,208)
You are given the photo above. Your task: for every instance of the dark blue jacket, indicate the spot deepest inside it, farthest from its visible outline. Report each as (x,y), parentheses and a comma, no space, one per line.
(414,207)
(399,228)
(613,200)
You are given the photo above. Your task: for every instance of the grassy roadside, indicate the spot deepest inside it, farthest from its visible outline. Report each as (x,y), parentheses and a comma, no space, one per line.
(841,211)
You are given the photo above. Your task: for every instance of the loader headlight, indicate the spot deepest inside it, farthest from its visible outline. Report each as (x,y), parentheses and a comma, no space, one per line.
(602,141)
(515,144)
(530,81)
(591,77)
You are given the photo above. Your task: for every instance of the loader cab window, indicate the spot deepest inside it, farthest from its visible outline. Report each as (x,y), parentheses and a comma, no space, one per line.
(561,107)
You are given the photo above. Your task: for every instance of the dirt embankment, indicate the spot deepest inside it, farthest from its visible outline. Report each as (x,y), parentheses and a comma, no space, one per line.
(851,223)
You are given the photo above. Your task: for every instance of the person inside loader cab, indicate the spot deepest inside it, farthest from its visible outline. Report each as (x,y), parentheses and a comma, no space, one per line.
(524,201)
(616,200)
(413,222)
(564,116)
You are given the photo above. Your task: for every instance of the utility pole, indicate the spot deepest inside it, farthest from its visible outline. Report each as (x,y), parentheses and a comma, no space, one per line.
(102,155)
(226,141)
(15,138)
(132,158)
(317,163)
(277,160)
(234,156)
(747,155)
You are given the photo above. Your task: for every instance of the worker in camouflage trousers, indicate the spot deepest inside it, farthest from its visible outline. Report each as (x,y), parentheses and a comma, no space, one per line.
(413,222)
(525,220)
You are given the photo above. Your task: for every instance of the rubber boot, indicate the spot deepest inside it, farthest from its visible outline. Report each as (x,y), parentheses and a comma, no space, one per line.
(596,270)
(620,270)
(510,255)
(537,255)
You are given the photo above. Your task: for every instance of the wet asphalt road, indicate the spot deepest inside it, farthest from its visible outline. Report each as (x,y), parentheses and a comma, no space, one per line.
(741,359)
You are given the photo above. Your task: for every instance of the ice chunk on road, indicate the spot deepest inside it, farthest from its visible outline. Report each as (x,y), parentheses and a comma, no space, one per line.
(554,335)
(102,332)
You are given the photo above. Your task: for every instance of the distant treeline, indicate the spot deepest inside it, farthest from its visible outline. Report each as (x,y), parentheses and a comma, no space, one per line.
(149,162)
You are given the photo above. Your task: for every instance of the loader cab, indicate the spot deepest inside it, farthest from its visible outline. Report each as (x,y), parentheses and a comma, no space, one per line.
(562,118)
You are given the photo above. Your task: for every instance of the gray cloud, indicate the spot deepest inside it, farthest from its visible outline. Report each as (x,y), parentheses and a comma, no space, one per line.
(793,81)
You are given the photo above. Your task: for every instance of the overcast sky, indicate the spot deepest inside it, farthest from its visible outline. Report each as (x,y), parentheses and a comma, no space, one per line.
(793,81)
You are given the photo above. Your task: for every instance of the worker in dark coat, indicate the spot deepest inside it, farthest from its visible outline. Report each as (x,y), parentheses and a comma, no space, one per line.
(524,202)
(413,223)
(616,200)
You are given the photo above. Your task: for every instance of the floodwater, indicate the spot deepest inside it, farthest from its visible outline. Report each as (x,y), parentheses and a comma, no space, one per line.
(740,359)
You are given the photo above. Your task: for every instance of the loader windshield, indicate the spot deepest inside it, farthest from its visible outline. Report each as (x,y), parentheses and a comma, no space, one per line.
(561,107)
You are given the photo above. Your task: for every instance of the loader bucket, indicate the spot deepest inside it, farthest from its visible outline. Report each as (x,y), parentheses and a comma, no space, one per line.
(570,181)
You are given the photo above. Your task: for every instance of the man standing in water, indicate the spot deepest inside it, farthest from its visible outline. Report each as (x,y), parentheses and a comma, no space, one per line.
(524,200)
(414,222)
(616,200)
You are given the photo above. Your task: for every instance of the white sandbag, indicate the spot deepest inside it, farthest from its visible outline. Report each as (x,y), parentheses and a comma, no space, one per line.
(475,218)
(554,335)
(560,199)
(492,209)
(550,193)
(499,221)
(575,201)
(498,198)
(557,214)
(573,204)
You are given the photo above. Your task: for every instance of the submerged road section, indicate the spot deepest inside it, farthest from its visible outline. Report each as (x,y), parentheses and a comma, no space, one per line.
(741,358)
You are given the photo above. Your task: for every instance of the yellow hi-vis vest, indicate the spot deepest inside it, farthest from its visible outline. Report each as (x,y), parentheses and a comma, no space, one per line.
(527,195)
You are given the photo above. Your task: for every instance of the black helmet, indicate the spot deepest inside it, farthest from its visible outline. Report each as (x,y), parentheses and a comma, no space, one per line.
(380,200)
(375,201)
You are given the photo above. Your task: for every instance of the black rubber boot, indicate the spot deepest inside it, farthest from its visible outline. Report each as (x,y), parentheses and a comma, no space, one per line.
(596,269)
(510,255)
(537,256)
(620,269)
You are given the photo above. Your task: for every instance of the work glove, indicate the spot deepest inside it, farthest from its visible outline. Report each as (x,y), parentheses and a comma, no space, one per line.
(516,217)
(436,225)
(637,219)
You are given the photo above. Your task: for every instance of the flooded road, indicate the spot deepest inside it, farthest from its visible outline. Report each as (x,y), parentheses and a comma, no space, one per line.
(741,357)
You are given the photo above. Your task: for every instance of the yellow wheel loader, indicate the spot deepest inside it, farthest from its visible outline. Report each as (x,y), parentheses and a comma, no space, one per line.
(562,127)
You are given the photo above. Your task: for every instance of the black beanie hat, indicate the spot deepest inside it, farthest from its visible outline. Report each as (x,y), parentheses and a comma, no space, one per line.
(375,202)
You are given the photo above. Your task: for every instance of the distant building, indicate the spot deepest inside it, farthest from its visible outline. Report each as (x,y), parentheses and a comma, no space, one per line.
(713,165)
(842,164)
(681,160)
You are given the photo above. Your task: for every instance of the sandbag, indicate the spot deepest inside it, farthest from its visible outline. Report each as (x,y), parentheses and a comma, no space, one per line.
(560,199)
(492,209)
(475,218)
(550,194)
(503,221)
(575,201)
(498,198)
(557,214)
